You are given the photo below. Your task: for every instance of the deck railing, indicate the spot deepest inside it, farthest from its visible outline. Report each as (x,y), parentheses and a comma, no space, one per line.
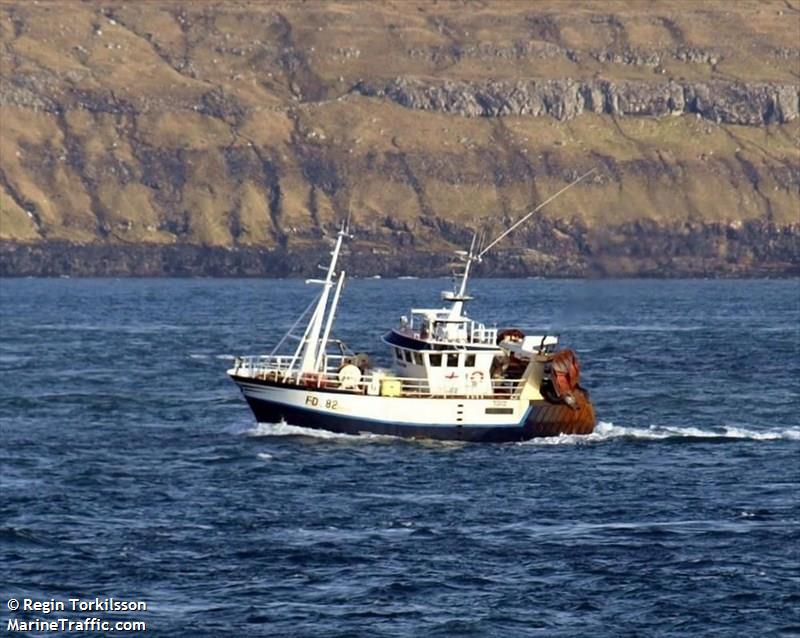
(280,369)
(481,334)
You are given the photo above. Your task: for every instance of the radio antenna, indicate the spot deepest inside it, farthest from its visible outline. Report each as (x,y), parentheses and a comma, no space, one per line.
(522,220)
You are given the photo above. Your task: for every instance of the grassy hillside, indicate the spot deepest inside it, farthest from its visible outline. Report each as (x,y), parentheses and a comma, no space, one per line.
(252,125)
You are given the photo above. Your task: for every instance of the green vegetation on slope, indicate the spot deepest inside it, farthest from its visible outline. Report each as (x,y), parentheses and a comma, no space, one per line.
(244,124)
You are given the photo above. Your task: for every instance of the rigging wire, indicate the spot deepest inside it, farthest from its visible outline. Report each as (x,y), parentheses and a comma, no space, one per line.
(294,325)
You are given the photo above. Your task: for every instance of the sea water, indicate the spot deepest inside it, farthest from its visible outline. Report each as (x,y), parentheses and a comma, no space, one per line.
(132,468)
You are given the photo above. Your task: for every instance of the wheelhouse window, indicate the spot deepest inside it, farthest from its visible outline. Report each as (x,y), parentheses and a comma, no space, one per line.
(417,358)
(469,362)
(407,355)
(398,355)
(452,360)
(435,359)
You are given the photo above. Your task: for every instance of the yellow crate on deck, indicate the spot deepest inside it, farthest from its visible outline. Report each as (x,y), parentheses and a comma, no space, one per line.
(391,387)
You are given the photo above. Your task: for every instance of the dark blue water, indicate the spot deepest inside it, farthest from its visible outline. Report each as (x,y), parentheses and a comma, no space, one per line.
(131,467)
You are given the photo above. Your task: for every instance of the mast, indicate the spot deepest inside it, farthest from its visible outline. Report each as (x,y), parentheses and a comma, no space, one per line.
(313,346)
(458,298)
(329,323)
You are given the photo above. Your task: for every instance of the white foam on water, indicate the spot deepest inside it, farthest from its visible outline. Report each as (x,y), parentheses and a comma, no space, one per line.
(607,431)
(604,431)
(285,429)
(786,434)
(264,456)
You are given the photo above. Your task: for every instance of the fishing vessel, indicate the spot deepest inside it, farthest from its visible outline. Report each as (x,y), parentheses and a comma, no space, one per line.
(451,377)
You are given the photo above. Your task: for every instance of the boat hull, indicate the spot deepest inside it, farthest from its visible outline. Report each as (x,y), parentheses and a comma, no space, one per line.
(413,417)
(554,419)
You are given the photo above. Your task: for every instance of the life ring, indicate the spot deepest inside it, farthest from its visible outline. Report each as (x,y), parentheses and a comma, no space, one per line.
(476,377)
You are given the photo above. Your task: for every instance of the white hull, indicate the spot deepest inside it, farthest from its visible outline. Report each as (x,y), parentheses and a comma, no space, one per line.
(447,412)
(468,419)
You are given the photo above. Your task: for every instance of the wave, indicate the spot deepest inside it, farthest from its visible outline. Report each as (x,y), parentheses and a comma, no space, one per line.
(606,431)
(285,429)
(150,328)
(21,536)
(222,357)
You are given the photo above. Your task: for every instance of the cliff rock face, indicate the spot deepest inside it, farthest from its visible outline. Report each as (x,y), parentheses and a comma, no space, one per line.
(193,138)
(754,104)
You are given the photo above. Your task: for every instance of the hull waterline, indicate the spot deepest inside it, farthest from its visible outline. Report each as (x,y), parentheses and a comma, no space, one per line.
(539,419)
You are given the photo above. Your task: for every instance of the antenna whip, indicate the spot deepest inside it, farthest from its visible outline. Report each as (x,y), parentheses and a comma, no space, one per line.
(535,210)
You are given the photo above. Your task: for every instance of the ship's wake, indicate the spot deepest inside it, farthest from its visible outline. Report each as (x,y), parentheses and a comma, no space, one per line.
(286,429)
(606,431)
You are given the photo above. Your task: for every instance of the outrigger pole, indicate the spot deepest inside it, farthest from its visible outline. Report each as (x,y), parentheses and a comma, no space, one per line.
(525,218)
(460,297)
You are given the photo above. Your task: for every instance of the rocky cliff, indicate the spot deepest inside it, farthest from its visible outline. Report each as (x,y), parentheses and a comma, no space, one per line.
(748,104)
(192,138)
